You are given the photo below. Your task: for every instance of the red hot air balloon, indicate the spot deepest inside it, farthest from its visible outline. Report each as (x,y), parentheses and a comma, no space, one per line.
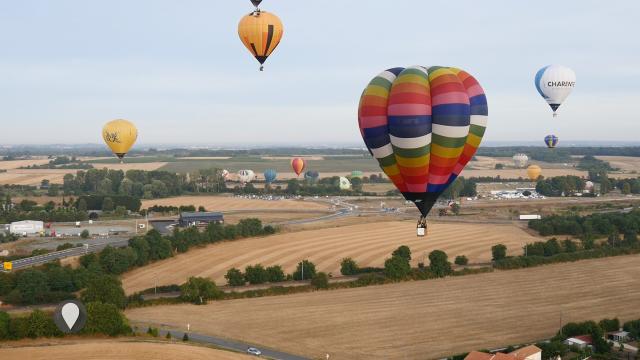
(298,164)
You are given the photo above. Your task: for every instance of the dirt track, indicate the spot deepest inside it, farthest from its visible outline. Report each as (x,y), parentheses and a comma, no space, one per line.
(369,244)
(422,319)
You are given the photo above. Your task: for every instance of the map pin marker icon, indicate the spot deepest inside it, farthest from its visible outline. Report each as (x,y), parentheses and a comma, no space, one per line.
(70,313)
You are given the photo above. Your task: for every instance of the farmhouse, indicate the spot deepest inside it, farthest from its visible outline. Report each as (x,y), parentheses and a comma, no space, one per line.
(530,352)
(581,341)
(200,218)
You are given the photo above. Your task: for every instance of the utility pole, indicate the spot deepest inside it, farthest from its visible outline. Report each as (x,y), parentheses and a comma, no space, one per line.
(302,269)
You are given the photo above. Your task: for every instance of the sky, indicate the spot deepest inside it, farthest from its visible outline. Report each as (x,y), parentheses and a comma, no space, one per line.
(178,70)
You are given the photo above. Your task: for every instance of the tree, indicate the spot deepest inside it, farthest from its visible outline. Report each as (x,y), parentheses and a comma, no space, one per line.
(455,208)
(499,166)
(84,234)
(185,337)
(439,263)
(198,290)
(40,325)
(105,319)
(82,205)
(461,260)
(552,247)
(498,252)
(120,211)
(32,286)
(256,274)
(275,274)
(105,289)
(320,280)
(107,204)
(609,325)
(600,345)
(403,251)
(396,267)
(235,277)
(308,273)
(117,261)
(348,266)
(4,325)
(569,246)
(54,190)
(626,188)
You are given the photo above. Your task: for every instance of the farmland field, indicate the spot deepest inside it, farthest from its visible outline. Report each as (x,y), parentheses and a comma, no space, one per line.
(422,319)
(14,164)
(369,244)
(226,203)
(112,350)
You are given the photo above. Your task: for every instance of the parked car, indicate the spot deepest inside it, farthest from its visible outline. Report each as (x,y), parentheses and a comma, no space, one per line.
(254,351)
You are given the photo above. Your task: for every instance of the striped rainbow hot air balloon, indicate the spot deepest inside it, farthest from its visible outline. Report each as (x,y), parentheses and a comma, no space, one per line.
(423,125)
(298,164)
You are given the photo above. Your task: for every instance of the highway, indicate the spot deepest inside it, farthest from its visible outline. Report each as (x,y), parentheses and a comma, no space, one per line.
(56,255)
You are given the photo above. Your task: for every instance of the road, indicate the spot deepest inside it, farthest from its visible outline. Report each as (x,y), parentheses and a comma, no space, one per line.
(76,251)
(230,344)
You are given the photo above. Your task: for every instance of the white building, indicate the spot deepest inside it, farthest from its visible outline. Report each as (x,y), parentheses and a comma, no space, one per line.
(26,227)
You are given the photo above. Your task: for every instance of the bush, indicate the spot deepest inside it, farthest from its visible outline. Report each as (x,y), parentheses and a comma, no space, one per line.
(168,336)
(275,274)
(348,266)
(84,234)
(235,277)
(152,331)
(256,274)
(320,281)
(309,270)
(4,325)
(396,268)
(498,252)
(461,260)
(185,337)
(403,252)
(439,263)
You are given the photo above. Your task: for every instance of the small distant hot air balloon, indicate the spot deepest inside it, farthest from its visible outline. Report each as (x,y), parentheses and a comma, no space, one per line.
(260,32)
(298,164)
(554,83)
(551,141)
(588,186)
(225,174)
(119,135)
(534,172)
(246,176)
(357,174)
(344,183)
(270,175)
(311,176)
(520,160)
(423,125)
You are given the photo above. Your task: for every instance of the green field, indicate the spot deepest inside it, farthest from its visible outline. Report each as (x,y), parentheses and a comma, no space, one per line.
(330,164)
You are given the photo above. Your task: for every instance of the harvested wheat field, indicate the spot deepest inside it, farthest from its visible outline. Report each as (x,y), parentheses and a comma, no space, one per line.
(422,319)
(116,350)
(33,177)
(225,203)
(14,164)
(368,244)
(521,173)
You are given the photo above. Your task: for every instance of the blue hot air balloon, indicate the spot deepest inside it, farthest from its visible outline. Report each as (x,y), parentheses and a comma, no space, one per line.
(270,175)
(551,141)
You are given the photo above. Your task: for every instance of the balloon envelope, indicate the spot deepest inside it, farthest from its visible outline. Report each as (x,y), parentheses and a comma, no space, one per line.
(423,125)
(311,175)
(298,164)
(246,176)
(260,32)
(119,135)
(533,172)
(356,174)
(551,141)
(270,175)
(344,183)
(520,160)
(554,83)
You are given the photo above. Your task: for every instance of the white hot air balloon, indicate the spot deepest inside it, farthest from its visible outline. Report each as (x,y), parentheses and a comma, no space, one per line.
(246,176)
(520,160)
(225,174)
(554,83)
(345,184)
(588,186)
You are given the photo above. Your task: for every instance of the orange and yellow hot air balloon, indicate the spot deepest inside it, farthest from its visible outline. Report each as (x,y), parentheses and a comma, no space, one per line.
(260,32)
(534,172)
(119,135)
(298,164)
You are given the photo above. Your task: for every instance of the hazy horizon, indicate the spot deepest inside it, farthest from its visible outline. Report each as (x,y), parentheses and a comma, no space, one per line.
(179,71)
